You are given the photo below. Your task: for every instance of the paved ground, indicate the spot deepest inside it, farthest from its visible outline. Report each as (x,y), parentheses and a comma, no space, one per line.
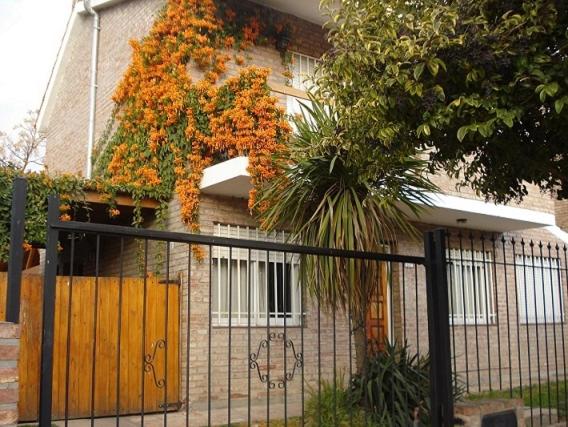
(197,417)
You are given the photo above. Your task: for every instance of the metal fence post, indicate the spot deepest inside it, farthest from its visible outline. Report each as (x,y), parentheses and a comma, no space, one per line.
(441,394)
(16,256)
(50,277)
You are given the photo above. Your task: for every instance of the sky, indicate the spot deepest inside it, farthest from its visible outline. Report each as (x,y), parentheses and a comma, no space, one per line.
(30,34)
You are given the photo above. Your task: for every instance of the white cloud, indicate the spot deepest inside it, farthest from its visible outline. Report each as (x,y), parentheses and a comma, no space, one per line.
(30,35)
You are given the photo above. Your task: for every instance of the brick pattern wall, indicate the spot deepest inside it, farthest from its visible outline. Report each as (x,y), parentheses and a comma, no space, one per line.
(561,207)
(9,350)
(534,200)
(508,346)
(67,125)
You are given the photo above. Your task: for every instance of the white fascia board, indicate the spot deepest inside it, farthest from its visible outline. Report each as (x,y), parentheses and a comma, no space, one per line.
(224,171)
(558,232)
(97,5)
(480,207)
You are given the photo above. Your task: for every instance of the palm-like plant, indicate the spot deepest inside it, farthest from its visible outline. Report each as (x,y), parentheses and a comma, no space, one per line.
(342,194)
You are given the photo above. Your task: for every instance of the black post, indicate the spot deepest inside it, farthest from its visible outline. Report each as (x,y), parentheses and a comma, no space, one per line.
(16,257)
(50,278)
(441,395)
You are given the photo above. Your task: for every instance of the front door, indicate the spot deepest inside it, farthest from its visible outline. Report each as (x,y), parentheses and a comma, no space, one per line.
(378,313)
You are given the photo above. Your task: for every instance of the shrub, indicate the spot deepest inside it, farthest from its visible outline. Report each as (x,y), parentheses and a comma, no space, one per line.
(336,402)
(394,387)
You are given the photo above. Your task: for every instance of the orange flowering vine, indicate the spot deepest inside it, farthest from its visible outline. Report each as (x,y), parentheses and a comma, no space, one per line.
(169,128)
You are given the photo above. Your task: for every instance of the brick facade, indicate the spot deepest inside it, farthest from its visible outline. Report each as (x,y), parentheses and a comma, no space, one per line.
(9,350)
(67,132)
(562,214)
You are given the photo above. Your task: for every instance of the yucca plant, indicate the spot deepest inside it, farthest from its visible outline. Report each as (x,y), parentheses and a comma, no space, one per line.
(342,194)
(395,387)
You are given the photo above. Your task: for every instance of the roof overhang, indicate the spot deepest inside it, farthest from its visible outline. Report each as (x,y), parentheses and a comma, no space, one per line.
(308,10)
(231,178)
(455,211)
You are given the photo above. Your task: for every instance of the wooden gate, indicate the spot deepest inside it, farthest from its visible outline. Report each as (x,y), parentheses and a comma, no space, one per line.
(100,344)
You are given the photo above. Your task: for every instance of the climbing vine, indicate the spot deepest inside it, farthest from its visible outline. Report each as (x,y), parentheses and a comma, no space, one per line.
(71,190)
(171,123)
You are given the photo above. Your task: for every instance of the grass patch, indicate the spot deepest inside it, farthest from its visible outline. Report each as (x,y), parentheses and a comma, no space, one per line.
(551,395)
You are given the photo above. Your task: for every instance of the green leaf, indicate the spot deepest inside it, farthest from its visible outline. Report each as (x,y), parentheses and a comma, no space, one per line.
(559,105)
(433,67)
(462,132)
(418,70)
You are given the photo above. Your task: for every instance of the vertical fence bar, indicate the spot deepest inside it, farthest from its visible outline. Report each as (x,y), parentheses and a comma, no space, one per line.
(464,314)
(144,321)
(17,230)
(50,277)
(69,319)
(209,334)
(453,310)
(475,311)
(439,329)
(167,342)
(269,380)
(509,348)
(188,336)
(95,321)
(493,268)
(119,330)
(230,272)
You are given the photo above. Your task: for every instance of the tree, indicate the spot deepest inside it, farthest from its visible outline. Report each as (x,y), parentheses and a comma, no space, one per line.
(25,149)
(482,85)
(340,194)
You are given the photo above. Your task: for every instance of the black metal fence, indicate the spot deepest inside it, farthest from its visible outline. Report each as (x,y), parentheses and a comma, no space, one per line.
(507,315)
(246,335)
(227,329)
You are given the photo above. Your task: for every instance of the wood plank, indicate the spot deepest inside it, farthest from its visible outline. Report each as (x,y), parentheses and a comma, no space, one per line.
(81,345)
(121,200)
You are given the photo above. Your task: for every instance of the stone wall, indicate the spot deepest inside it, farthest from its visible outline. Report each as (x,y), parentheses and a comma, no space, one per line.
(9,351)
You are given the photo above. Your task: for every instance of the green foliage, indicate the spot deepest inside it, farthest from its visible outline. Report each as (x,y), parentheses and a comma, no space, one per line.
(481,84)
(546,395)
(334,406)
(395,387)
(40,186)
(345,195)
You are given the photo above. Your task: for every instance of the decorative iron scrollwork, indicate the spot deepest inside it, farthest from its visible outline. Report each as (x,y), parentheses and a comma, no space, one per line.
(149,361)
(264,378)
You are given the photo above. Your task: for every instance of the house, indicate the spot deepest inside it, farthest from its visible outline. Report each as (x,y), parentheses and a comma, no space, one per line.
(488,302)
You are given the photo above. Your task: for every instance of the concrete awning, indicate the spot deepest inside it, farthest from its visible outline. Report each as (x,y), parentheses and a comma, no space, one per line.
(231,178)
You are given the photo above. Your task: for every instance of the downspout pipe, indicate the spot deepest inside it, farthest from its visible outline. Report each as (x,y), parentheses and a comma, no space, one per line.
(93,87)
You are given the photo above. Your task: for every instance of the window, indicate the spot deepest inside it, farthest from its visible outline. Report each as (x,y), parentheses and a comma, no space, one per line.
(471,287)
(274,282)
(538,289)
(303,68)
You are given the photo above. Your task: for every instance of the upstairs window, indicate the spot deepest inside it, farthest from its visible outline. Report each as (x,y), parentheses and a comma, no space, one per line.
(303,69)
(272,279)
(539,291)
(471,282)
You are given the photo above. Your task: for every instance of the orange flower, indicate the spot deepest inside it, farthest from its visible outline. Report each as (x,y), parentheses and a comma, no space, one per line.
(171,128)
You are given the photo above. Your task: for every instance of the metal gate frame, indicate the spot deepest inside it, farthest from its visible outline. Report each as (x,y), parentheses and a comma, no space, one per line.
(434,262)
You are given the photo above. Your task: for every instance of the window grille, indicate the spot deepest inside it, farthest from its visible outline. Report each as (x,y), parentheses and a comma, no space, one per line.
(471,282)
(538,289)
(274,281)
